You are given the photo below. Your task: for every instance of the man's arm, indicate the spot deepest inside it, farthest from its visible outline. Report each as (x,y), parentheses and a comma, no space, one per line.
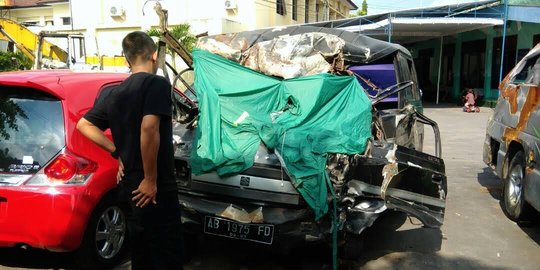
(95,134)
(146,192)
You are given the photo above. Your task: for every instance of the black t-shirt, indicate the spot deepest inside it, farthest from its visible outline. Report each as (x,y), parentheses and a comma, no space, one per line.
(121,108)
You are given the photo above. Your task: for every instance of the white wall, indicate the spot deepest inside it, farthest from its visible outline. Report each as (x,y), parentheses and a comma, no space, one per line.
(104,32)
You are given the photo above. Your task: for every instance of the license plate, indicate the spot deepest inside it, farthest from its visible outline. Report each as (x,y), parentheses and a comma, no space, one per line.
(261,233)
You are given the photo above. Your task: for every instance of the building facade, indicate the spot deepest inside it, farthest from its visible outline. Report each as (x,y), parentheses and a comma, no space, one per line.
(50,15)
(472,60)
(105,22)
(457,46)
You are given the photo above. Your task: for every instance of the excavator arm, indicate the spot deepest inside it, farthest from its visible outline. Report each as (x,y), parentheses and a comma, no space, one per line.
(28,42)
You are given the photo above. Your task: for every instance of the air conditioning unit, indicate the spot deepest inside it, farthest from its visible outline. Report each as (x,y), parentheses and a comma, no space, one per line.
(230,4)
(117,11)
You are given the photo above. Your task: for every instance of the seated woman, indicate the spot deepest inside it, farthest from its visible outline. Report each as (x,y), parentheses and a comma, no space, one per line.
(469,98)
(470,101)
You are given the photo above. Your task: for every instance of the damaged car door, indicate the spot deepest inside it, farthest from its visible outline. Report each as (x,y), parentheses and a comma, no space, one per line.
(405,179)
(392,176)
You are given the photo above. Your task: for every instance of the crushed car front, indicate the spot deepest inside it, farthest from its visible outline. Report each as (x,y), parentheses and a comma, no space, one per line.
(261,199)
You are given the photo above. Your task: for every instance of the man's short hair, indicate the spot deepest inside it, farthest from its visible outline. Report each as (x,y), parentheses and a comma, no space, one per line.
(138,45)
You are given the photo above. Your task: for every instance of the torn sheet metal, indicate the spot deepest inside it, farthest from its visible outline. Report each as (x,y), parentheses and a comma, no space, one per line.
(363,214)
(294,56)
(288,56)
(398,125)
(407,180)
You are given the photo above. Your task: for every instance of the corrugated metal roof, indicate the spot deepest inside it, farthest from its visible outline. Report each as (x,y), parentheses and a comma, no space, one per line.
(412,25)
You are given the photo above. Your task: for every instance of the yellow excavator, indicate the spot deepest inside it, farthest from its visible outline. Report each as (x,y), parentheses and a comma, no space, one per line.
(45,54)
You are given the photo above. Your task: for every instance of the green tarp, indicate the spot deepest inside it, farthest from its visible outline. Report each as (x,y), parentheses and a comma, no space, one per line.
(303,119)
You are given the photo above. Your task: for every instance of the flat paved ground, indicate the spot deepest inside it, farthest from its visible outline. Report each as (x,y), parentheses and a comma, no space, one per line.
(476,234)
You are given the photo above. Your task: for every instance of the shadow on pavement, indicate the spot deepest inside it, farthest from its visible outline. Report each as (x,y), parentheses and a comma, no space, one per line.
(39,259)
(414,247)
(441,105)
(490,182)
(384,238)
(532,229)
(417,260)
(34,259)
(495,187)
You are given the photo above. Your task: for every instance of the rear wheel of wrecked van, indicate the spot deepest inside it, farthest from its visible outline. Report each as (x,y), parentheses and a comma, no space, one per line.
(514,205)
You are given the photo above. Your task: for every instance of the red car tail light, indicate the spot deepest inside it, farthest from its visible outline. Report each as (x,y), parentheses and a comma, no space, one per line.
(65,168)
(62,168)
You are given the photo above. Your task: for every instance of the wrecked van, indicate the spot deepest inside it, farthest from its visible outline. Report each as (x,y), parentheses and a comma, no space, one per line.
(286,144)
(513,138)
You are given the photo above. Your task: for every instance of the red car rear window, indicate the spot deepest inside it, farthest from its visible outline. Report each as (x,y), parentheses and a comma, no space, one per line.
(31,131)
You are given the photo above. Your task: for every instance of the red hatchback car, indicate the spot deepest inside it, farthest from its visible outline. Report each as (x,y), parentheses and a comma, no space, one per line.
(57,189)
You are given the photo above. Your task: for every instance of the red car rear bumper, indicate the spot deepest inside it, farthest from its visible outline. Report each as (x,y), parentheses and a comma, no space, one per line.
(52,218)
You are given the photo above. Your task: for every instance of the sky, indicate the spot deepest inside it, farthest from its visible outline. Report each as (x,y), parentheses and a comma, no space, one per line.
(381,6)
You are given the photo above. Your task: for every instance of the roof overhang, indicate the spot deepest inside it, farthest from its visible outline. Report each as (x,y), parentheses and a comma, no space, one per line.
(352,5)
(418,24)
(407,30)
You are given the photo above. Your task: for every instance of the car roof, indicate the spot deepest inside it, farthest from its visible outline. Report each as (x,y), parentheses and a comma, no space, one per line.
(59,82)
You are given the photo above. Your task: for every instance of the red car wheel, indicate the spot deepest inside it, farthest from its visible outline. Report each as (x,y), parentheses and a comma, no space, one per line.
(105,239)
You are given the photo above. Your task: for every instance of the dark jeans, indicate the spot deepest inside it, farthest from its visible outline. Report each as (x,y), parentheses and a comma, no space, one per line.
(154,232)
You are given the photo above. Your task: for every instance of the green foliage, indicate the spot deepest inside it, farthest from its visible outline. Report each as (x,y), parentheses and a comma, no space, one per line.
(14,61)
(179,32)
(8,109)
(153,32)
(363,10)
(8,116)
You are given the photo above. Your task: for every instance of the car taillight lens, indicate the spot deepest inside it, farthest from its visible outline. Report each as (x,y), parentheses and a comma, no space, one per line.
(62,168)
(66,168)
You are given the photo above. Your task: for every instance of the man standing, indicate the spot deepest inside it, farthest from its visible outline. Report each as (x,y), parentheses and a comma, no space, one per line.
(138,112)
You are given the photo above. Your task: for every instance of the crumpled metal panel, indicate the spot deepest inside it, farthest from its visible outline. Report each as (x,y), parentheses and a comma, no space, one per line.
(407,180)
(288,56)
(228,46)
(294,56)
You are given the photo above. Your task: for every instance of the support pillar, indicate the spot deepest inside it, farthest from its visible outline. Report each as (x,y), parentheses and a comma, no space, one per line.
(456,69)
(488,95)
(439,72)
